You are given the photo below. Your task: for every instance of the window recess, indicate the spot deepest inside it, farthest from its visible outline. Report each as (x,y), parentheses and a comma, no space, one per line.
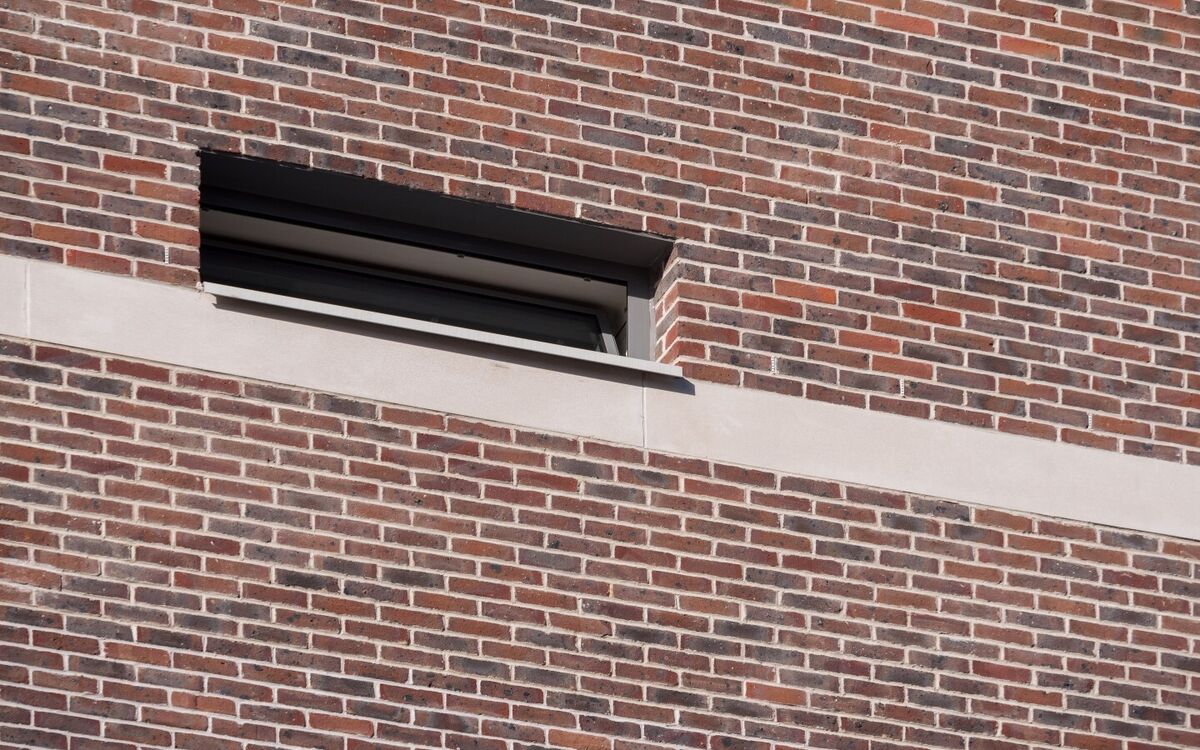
(348,247)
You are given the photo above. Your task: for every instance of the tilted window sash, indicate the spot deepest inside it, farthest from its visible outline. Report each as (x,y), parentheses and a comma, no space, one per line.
(348,243)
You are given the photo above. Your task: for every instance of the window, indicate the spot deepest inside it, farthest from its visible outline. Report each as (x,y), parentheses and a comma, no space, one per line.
(349,247)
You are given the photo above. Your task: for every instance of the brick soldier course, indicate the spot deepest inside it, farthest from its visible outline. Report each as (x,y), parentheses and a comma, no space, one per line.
(983,212)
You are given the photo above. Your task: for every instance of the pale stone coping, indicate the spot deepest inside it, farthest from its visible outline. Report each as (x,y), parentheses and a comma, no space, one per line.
(133,318)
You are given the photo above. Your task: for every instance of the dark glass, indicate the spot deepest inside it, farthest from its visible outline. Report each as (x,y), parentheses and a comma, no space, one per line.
(451,303)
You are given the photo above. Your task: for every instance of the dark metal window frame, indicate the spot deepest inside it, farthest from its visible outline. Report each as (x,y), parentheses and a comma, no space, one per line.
(355,205)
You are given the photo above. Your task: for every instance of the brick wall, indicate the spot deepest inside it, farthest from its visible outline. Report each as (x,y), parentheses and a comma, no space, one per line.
(982,211)
(189,561)
(192,561)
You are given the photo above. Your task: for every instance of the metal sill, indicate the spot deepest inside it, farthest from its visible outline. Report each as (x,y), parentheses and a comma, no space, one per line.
(648,367)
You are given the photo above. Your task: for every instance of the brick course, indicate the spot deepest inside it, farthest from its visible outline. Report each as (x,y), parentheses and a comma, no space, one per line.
(189,560)
(981,211)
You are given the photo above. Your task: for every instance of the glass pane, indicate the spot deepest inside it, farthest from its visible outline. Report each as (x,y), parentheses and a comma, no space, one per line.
(423,299)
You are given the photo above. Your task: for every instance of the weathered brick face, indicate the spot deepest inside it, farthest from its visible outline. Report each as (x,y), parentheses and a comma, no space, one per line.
(193,561)
(982,211)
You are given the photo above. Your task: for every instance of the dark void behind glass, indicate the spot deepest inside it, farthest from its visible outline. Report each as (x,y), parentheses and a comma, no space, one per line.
(423,299)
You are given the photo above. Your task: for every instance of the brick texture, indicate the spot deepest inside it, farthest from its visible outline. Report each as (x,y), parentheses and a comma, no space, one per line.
(190,561)
(981,211)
